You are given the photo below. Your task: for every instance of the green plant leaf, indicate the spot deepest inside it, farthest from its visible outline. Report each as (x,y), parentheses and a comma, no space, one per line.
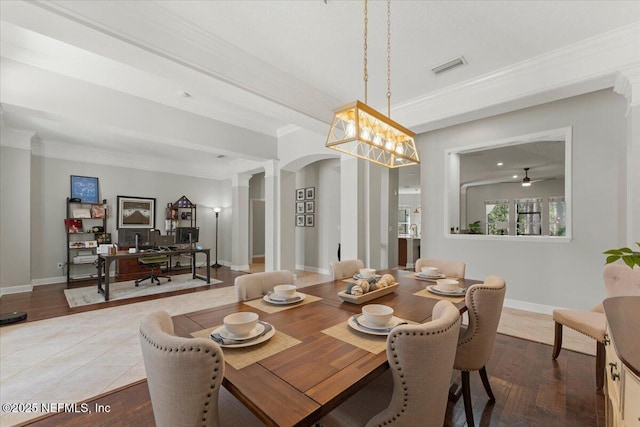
(613,252)
(626,250)
(612,258)
(628,260)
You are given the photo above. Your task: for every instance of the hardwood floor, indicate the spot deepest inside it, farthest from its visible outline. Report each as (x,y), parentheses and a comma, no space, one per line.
(530,388)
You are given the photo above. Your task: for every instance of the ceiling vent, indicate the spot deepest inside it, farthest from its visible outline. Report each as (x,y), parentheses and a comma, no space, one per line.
(449,65)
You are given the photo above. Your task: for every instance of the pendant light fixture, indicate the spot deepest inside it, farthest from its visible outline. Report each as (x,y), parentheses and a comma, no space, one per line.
(361,131)
(526,181)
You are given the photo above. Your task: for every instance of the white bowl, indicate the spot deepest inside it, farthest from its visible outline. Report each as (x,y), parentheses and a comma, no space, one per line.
(367,272)
(431,271)
(285,291)
(241,323)
(378,314)
(447,284)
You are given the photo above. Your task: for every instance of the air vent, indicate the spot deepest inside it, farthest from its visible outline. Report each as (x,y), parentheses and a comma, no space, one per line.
(449,65)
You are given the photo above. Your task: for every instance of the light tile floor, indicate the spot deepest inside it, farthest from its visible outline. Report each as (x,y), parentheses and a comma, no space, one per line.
(72,358)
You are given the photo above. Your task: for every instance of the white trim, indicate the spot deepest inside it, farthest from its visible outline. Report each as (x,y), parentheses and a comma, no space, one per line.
(15,289)
(529,306)
(324,271)
(238,267)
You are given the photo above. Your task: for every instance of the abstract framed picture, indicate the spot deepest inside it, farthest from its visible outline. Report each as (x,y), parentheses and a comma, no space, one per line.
(300,194)
(310,193)
(136,212)
(85,188)
(299,207)
(299,220)
(308,221)
(309,206)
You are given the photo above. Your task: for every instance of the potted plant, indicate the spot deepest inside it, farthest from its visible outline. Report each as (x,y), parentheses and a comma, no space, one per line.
(630,257)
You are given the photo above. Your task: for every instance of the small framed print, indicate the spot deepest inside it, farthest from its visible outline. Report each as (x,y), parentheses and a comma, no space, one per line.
(309,206)
(308,221)
(84,188)
(300,207)
(310,193)
(299,220)
(300,194)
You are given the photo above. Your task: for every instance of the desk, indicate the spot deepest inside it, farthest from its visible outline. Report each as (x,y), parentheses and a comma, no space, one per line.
(104,262)
(300,384)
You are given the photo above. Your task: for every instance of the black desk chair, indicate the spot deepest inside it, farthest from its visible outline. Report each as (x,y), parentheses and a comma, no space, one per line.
(153,262)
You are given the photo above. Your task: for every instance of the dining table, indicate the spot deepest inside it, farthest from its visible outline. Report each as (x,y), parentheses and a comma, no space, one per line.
(315,360)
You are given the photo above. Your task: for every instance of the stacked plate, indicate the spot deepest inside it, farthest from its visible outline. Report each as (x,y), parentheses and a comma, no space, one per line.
(259,334)
(274,298)
(428,276)
(359,323)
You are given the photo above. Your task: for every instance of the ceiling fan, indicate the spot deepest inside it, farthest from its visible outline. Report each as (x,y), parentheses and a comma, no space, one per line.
(526,181)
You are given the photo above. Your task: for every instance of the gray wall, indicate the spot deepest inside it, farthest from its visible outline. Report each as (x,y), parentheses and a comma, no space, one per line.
(257,218)
(50,187)
(541,274)
(317,246)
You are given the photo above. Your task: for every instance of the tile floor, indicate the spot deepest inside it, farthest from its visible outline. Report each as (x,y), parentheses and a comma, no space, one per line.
(71,358)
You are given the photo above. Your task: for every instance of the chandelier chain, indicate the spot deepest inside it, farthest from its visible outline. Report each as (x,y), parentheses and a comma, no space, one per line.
(366,74)
(389,58)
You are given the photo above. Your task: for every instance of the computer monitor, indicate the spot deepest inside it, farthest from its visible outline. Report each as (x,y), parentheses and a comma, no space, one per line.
(127,236)
(187,234)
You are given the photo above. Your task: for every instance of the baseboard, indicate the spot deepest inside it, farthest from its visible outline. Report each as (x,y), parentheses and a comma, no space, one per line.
(313,269)
(15,289)
(49,280)
(239,267)
(529,306)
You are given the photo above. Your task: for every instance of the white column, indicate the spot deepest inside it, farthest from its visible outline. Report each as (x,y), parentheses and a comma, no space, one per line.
(287,248)
(240,222)
(15,211)
(628,84)
(351,208)
(272,215)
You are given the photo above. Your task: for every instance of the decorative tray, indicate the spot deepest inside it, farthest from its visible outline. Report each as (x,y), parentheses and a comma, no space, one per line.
(360,299)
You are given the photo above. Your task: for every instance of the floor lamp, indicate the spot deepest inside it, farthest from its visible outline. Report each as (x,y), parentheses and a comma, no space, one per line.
(217,211)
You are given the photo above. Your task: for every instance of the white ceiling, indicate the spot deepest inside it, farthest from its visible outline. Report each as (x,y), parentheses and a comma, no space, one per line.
(104,80)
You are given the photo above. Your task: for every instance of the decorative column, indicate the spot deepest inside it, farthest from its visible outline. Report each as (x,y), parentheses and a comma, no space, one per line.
(628,84)
(271,215)
(240,222)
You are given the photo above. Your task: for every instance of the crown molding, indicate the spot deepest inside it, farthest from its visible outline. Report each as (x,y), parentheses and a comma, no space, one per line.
(583,67)
(627,84)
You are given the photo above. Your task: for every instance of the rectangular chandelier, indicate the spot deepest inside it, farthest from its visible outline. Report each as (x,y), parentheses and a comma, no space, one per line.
(361,131)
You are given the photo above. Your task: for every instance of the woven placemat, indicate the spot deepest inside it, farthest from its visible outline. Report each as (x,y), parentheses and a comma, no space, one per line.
(261,304)
(371,343)
(425,293)
(245,356)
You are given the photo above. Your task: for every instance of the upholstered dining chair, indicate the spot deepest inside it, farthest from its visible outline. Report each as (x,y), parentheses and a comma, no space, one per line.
(448,268)
(184,376)
(619,280)
(475,344)
(413,391)
(342,269)
(255,285)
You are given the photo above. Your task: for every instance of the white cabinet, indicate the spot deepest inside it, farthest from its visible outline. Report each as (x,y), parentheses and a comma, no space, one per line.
(631,399)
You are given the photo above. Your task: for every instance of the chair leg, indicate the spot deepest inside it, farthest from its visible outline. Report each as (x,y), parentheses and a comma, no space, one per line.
(466,397)
(600,356)
(486,384)
(557,341)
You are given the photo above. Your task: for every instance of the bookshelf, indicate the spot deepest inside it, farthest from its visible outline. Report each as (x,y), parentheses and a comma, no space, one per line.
(86,228)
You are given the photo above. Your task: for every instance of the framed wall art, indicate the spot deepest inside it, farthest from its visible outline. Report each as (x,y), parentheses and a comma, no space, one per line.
(310,206)
(299,207)
(310,193)
(300,194)
(136,212)
(85,188)
(299,220)
(308,221)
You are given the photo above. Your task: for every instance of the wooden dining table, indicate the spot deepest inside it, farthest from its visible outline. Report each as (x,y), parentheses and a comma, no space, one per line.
(312,369)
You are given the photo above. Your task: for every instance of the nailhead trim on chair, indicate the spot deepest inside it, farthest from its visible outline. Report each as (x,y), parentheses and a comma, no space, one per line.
(397,363)
(216,369)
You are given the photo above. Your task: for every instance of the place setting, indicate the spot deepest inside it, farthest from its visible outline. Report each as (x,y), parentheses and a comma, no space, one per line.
(367,274)
(430,274)
(242,329)
(284,295)
(375,319)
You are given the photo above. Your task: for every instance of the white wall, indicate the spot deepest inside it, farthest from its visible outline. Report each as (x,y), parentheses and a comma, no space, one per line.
(541,275)
(50,188)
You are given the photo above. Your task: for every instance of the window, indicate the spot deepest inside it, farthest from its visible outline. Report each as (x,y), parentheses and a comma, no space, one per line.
(404,220)
(497,215)
(557,217)
(529,217)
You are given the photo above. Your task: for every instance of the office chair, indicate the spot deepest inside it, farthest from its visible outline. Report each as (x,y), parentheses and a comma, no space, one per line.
(153,262)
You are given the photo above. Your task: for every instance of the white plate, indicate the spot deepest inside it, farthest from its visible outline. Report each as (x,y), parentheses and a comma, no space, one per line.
(252,334)
(393,322)
(260,340)
(297,294)
(426,276)
(434,289)
(353,325)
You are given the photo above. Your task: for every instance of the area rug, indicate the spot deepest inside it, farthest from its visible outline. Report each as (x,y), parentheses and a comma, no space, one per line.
(122,290)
